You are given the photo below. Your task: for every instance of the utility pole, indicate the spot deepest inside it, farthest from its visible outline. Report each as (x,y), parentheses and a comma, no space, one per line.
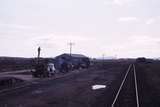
(70,46)
(103,55)
(39,52)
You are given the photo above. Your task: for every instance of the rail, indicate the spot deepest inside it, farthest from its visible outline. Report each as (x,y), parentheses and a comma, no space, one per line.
(122,84)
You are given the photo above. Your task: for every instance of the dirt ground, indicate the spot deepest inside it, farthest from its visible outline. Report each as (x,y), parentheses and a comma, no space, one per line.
(149,88)
(72,90)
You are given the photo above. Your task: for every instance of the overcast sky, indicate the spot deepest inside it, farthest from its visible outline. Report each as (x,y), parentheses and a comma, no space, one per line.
(126,28)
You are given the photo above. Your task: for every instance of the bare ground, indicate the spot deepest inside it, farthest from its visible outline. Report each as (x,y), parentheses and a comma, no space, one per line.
(74,90)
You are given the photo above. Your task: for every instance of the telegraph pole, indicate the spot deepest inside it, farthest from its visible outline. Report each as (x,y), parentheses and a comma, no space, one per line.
(39,52)
(103,56)
(70,46)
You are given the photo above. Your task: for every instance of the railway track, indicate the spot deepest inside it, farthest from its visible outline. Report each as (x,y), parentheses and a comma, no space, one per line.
(127,94)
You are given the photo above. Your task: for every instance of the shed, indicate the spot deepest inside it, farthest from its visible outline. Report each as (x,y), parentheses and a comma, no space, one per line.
(75,60)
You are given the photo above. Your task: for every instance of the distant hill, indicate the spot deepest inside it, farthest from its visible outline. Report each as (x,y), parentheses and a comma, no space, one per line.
(107,57)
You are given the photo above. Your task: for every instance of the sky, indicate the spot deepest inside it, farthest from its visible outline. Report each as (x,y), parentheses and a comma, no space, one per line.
(122,28)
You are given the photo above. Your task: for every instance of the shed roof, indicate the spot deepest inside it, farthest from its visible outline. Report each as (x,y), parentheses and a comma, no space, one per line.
(74,55)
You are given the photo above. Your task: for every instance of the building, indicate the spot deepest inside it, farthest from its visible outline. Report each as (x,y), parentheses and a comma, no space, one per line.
(74,61)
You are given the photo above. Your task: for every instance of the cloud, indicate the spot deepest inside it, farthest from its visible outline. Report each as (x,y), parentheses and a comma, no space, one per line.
(150,21)
(140,45)
(146,45)
(128,19)
(144,39)
(49,40)
(118,2)
(15,26)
